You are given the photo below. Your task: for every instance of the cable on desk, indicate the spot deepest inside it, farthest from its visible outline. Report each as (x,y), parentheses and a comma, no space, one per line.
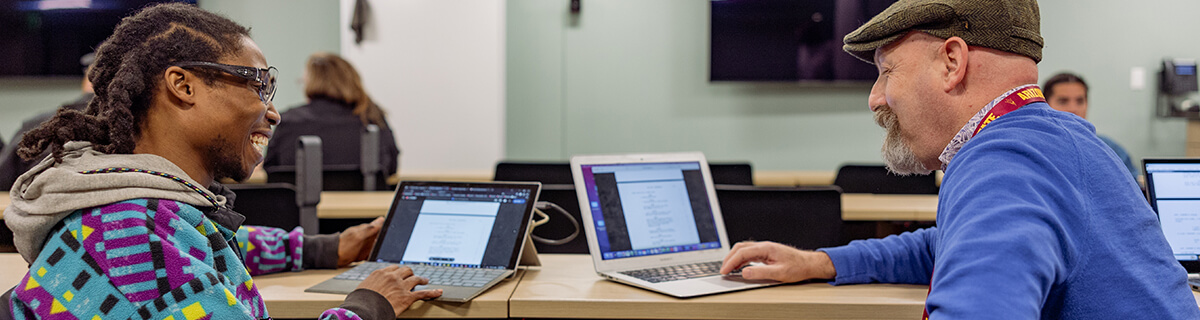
(543,205)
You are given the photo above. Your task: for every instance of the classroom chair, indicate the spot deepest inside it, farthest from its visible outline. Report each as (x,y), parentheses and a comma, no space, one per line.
(803,217)
(366,175)
(285,205)
(545,172)
(736,173)
(863,178)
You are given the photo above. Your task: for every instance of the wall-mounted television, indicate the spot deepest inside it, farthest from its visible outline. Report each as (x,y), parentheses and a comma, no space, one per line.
(48,37)
(788,40)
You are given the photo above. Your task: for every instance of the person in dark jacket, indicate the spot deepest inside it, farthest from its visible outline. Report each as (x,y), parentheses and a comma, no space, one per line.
(338,110)
(12,165)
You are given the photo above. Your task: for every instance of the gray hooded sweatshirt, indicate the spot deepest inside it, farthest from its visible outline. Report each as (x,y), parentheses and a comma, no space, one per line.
(50,192)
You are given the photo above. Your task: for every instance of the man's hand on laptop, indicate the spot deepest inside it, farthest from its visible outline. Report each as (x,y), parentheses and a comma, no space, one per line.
(396,284)
(355,243)
(779,262)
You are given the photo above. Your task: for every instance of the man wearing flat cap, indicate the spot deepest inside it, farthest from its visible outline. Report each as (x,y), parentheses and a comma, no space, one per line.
(1036,218)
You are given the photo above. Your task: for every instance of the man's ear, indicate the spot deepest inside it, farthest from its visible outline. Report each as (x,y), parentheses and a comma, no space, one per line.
(953,55)
(181,84)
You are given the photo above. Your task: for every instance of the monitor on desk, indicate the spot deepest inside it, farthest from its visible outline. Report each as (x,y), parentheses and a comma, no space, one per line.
(1173,188)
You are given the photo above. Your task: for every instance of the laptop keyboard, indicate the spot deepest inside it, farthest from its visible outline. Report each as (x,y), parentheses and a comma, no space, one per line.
(446,276)
(680,272)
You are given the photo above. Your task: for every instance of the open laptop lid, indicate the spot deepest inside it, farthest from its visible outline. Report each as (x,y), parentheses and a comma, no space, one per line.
(460,224)
(1173,188)
(646,210)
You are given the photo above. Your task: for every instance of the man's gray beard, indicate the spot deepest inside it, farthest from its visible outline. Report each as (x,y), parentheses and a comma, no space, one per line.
(898,156)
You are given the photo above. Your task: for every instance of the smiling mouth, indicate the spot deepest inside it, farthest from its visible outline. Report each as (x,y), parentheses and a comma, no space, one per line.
(259,141)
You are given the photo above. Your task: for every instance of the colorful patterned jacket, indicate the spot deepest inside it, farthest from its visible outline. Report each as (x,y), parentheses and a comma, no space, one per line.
(175,255)
(155,259)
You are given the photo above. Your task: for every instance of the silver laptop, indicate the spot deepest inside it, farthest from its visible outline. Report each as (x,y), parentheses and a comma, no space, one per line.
(1173,187)
(464,237)
(652,221)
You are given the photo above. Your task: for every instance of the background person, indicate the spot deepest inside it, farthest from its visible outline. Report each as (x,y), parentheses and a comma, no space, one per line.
(12,165)
(338,110)
(1068,92)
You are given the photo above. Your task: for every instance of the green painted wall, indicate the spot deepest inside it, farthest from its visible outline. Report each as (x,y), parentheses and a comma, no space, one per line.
(287,32)
(631,76)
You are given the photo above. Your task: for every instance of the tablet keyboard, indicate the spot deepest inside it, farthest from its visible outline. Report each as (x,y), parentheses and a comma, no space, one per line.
(446,276)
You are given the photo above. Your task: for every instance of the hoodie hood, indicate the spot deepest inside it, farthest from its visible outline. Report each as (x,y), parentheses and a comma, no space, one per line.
(87,178)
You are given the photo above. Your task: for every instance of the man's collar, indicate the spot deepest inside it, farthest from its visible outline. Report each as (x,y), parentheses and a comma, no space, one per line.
(968,130)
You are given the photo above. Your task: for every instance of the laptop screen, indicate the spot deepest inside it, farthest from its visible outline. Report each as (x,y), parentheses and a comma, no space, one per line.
(457,224)
(1174,192)
(647,209)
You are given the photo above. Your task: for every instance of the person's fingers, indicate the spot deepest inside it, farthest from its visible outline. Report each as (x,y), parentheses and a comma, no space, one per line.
(767,271)
(745,254)
(427,294)
(377,223)
(412,282)
(736,247)
(405,272)
(388,269)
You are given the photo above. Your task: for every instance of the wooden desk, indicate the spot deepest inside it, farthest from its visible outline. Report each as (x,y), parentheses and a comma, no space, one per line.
(567,286)
(285,296)
(855,207)
(790,178)
(354,204)
(889,207)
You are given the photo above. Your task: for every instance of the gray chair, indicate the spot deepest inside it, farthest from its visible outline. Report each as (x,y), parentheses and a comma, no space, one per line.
(284,205)
(366,175)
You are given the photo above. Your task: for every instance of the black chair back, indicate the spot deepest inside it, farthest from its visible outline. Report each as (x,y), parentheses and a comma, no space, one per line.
(560,172)
(544,172)
(559,227)
(269,204)
(877,179)
(804,217)
(732,173)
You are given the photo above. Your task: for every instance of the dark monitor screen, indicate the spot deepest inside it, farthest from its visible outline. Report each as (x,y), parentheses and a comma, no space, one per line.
(48,37)
(788,40)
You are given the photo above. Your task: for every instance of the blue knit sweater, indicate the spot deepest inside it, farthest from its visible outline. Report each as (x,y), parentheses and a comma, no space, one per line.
(1036,219)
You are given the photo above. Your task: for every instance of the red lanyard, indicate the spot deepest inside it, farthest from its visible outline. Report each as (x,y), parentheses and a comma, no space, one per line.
(1014,101)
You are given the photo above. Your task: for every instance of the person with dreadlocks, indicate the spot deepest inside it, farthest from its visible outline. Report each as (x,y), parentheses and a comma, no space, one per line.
(124,219)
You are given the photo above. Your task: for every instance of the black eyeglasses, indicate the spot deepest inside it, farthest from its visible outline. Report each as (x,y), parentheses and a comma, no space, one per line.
(265,78)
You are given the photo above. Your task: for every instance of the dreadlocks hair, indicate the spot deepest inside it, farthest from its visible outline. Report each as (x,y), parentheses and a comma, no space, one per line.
(128,66)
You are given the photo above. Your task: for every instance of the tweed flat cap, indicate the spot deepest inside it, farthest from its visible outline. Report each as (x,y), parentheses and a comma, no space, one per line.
(1005,25)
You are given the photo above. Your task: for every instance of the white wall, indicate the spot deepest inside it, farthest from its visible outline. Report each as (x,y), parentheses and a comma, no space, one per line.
(437,68)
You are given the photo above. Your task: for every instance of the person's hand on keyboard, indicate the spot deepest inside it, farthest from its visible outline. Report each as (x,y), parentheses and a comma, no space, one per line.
(396,284)
(779,262)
